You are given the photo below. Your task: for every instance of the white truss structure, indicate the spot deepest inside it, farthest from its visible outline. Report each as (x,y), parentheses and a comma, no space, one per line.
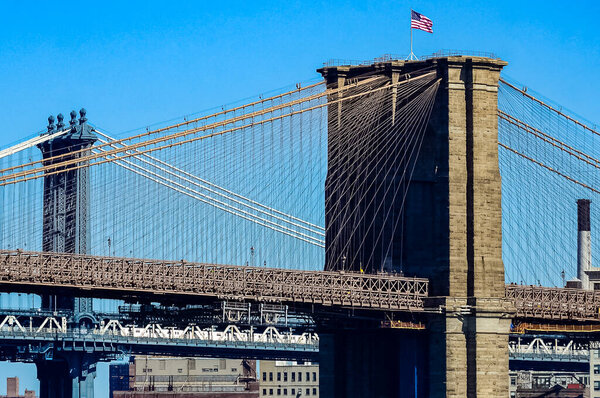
(548,347)
(12,326)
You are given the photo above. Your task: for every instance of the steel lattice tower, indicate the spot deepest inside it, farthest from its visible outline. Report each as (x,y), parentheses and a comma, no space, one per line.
(66,199)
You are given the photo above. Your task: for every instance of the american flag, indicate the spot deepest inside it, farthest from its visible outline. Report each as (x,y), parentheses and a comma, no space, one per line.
(419,21)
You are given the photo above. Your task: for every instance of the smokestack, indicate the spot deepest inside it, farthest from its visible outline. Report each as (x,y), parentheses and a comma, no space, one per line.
(584,242)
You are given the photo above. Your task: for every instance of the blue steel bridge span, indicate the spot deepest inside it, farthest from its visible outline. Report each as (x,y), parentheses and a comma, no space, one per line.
(27,335)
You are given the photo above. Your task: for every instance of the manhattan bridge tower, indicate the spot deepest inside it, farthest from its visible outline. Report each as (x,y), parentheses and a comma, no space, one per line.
(66,230)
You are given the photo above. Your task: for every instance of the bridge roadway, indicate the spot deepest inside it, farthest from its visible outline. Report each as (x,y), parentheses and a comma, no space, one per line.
(26,335)
(112,277)
(22,338)
(549,348)
(122,277)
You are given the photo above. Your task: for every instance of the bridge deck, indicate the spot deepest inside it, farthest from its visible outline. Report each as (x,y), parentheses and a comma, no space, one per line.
(153,277)
(37,271)
(32,335)
(554,303)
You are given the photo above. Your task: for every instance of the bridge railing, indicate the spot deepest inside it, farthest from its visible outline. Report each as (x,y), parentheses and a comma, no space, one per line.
(554,303)
(459,53)
(110,276)
(152,277)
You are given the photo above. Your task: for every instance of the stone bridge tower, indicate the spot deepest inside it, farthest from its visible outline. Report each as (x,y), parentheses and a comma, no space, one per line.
(452,235)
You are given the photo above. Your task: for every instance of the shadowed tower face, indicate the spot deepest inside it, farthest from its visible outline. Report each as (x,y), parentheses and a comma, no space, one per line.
(374,140)
(66,199)
(445,221)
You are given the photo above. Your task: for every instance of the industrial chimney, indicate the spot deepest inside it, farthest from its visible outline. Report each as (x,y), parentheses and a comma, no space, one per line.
(584,242)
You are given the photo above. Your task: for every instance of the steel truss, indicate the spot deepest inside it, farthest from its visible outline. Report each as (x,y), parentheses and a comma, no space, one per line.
(554,303)
(156,277)
(548,348)
(110,276)
(44,335)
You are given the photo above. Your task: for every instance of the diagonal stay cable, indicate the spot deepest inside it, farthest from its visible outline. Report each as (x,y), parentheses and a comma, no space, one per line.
(199,196)
(550,107)
(548,168)
(4,179)
(378,158)
(420,120)
(184,176)
(550,140)
(211,126)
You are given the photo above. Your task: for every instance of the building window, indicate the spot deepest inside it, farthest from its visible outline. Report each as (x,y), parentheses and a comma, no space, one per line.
(307,376)
(234,370)
(314,376)
(179,370)
(279,391)
(293,376)
(270,391)
(596,369)
(513,381)
(299,376)
(308,391)
(284,376)
(278,376)
(271,377)
(597,386)
(285,391)
(264,391)
(293,390)
(314,391)
(264,376)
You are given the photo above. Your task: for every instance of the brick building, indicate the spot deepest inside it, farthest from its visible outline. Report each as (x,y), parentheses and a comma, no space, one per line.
(12,389)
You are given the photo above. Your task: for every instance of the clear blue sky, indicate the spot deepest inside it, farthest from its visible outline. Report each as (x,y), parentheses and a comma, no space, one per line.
(132,64)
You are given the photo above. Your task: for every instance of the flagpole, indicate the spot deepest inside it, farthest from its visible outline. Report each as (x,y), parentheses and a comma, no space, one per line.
(410,57)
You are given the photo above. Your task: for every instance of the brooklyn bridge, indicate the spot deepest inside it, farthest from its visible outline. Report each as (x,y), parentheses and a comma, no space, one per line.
(410,225)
